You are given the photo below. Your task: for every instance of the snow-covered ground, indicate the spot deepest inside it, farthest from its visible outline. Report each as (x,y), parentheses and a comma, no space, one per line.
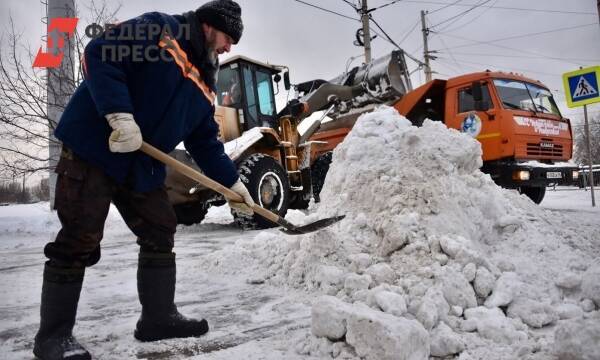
(247,320)
(422,265)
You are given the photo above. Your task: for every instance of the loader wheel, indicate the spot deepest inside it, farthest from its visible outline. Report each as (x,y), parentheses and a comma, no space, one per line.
(535,193)
(318,172)
(268,185)
(190,213)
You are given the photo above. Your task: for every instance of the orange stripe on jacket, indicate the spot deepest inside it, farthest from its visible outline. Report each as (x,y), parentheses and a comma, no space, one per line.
(187,68)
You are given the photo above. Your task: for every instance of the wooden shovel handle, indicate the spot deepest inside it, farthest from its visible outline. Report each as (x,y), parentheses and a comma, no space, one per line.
(204,180)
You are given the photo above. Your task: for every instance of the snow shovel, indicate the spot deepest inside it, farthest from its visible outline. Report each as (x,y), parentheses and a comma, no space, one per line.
(288,227)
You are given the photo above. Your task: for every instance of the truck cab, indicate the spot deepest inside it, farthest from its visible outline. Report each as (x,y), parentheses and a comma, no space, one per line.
(525,140)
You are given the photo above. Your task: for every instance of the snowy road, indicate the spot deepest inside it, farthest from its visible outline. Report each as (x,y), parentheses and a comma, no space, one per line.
(248,321)
(245,318)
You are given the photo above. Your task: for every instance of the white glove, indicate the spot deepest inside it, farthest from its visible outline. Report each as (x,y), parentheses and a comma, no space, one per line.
(243,207)
(126,135)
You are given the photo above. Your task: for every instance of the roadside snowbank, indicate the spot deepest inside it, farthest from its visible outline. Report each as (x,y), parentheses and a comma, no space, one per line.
(432,259)
(35,219)
(28,219)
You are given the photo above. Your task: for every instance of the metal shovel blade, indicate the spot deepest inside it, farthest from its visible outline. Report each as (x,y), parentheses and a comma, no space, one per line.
(291,229)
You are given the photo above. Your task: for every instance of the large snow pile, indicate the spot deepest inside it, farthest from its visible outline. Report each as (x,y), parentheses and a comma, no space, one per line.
(432,259)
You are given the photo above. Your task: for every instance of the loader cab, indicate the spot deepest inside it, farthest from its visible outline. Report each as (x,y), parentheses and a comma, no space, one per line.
(247,85)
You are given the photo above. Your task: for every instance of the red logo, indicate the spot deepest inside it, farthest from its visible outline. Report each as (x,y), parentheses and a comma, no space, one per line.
(58,27)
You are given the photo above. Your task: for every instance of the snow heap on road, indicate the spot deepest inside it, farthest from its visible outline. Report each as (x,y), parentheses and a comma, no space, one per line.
(432,259)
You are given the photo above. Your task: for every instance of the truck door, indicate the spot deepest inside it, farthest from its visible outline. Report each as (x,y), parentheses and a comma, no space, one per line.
(482,125)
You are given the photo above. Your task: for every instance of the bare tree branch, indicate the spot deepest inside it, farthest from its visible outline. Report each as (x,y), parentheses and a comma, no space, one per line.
(25,124)
(581,153)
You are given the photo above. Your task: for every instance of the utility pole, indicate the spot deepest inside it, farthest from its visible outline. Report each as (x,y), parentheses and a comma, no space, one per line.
(598,5)
(426,57)
(60,83)
(366,32)
(589,151)
(24,189)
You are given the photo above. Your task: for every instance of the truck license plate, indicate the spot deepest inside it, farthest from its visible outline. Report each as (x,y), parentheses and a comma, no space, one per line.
(554,175)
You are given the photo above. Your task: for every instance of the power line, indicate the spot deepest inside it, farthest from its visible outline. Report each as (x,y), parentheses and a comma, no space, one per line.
(510,69)
(444,7)
(351,4)
(521,56)
(418,49)
(529,34)
(508,47)
(573,113)
(449,52)
(443,74)
(485,10)
(384,5)
(503,8)
(391,41)
(326,10)
(451,67)
(583,125)
(462,13)
(409,32)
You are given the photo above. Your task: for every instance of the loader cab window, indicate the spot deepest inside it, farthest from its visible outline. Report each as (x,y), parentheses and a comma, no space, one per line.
(266,103)
(259,97)
(229,90)
(247,86)
(466,102)
(252,116)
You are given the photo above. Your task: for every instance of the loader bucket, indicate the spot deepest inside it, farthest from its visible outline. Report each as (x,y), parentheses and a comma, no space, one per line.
(385,78)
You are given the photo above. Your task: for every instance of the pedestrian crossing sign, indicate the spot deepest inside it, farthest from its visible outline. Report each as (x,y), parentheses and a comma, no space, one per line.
(581,86)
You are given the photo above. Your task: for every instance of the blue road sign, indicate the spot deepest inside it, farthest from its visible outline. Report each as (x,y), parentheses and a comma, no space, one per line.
(581,86)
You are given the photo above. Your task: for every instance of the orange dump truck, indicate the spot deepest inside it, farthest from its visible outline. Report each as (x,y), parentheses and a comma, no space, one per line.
(526,142)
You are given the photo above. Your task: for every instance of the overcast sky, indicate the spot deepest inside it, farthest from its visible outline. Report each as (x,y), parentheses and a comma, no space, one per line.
(559,37)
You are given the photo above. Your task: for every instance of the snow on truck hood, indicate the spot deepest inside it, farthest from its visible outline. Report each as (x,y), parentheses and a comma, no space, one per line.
(432,259)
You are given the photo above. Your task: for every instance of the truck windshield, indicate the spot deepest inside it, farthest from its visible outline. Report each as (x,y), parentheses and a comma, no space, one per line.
(520,95)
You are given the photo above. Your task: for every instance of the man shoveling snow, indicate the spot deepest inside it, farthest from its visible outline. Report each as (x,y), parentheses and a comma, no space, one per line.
(121,102)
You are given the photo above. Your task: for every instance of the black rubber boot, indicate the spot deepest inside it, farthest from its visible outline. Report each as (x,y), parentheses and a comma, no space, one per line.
(60,295)
(156,288)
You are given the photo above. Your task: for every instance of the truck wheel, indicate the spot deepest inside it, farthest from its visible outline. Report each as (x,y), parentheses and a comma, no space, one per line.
(318,172)
(268,185)
(190,213)
(535,193)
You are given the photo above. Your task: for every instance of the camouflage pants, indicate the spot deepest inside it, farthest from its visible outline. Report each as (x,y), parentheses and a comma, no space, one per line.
(82,200)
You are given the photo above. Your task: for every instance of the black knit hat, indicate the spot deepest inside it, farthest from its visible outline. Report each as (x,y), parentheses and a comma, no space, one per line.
(224,15)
